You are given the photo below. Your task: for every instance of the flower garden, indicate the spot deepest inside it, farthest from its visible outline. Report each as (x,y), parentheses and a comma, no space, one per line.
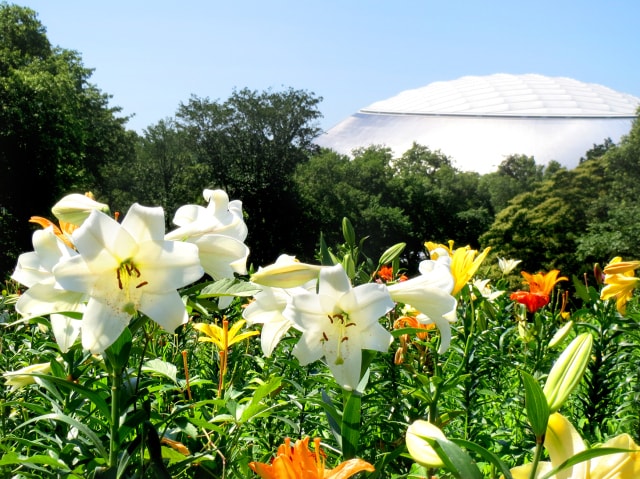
(132,352)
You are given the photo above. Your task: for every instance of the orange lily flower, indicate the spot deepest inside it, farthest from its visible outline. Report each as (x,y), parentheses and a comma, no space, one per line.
(298,462)
(540,286)
(385,273)
(63,232)
(412,322)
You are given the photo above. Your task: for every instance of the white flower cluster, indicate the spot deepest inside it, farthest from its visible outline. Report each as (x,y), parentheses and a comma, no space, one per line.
(109,271)
(337,320)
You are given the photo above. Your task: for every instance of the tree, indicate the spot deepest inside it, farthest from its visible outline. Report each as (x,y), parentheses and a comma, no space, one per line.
(441,202)
(163,172)
(333,186)
(613,229)
(542,227)
(516,174)
(57,128)
(251,145)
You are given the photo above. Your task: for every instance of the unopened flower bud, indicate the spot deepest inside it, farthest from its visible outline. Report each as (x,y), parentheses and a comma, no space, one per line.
(560,335)
(419,449)
(568,371)
(286,272)
(75,208)
(23,377)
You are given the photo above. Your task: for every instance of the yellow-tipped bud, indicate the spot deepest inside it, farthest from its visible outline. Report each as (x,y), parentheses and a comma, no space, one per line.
(568,371)
(286,272)
(75,208)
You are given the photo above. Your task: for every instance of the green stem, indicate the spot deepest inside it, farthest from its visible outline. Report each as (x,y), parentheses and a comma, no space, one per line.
(537,456)
(432,415)
(114,438)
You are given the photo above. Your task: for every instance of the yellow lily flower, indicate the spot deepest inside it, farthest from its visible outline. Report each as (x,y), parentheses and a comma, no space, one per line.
(562,441)
(620,282)
(223,337)
(298,462)
(464,261)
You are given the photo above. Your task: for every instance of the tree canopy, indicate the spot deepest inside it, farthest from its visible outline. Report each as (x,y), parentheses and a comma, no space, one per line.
(57,128)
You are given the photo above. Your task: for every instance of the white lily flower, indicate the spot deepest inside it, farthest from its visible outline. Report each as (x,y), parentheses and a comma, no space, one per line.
(35,270)
(65,329)
(266,309)
(125,268)
(221,216)
(219,232)
(338,322)
(508,265)
(430,293)
(489,294)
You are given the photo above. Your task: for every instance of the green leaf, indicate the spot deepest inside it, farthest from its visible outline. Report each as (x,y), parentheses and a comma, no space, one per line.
(457,461)
(229,287)
(326,258)
(256,407)
(333,417)
(163,368)
(536,405)
(392,253)
(350,430)
(13,458)
(118,353)
(83,391)
(486,454)
(82,429)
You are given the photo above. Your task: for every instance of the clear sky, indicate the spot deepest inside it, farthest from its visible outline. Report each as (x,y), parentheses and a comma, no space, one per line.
(151,56)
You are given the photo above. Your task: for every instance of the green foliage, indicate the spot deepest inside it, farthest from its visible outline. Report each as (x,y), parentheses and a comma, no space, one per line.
(250,145)
(57,128)
(517,174)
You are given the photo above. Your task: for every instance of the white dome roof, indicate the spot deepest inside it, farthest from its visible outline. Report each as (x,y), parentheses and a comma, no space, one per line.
(480,120)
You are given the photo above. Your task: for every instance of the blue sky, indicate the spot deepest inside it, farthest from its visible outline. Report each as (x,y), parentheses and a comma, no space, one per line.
(151,56)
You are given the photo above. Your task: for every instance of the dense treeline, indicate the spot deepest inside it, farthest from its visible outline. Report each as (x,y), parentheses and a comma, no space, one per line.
(60,135)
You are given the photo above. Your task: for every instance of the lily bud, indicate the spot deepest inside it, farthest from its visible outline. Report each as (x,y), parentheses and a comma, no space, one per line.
(560,335)
(23,377)
(567,371)
(617,266)
(419,449)
(75,208)
(286,272)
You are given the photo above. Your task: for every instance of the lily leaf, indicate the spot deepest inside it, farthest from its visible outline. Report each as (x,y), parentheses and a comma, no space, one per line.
(229,287)
(536,405)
